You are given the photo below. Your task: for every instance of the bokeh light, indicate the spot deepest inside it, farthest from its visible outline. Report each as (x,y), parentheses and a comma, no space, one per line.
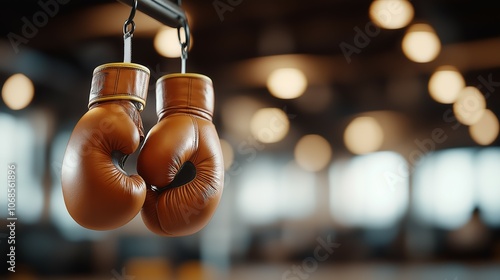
(445,84)
(486,130)
(391,14)
(363,135)
(166,42)
(18,91)
(287,83)
(421,44)
(269,125)
(313,152)
(470,106)
(149,268)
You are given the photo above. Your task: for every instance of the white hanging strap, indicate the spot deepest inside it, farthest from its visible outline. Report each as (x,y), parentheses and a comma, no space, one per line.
(127,50)
(183,62)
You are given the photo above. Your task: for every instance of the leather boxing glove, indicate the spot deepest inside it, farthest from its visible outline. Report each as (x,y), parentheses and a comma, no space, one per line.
(181,159)
(97,191)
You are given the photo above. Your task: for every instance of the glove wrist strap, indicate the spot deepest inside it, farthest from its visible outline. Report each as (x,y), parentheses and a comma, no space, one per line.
(185,93)
(120,81)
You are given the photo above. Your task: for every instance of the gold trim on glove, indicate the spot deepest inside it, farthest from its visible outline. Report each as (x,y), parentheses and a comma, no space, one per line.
(187,75)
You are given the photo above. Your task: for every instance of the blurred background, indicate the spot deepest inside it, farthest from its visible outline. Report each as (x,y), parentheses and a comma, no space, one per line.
(360,138)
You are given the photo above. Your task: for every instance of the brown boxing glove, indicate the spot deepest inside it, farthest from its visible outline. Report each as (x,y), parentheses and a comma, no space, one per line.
(97,191)
(181,160)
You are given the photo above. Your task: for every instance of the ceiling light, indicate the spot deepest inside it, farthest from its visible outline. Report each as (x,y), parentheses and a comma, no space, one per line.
(287,83)
(269,125)
(167,44)
(363,135)
(391,14)
(485,131)
(470,106)
(421,44)
(445,84)
(313,152)
(18,91)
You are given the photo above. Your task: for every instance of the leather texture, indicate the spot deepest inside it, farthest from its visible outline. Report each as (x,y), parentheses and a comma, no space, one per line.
(181,160)
(97,191)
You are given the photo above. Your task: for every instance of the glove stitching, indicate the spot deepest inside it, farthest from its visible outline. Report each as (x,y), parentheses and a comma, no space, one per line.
(117,79)
(190,91)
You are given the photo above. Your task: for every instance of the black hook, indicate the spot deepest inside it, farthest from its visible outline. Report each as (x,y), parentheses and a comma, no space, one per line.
(187,35)
(130,21)
(184,44)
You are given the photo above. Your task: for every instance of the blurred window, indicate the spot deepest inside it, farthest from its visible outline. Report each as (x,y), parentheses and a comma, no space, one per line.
(449,184)
(24,148)
(269,191)
(488,193)
(369,191)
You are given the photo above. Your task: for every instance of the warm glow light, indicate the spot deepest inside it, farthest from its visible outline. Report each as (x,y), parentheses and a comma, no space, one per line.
(470,106)
(445,84)
(18,91)
(227,153)
(287,83)
(166,42)
(421,44)
(486,130)
(391,14)
(312,152)
(149,268)
(363,135)
(269,125)
(193,270)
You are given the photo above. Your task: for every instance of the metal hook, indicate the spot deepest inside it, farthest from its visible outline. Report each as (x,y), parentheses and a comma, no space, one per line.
(128,32)
(184,44)
(130,21)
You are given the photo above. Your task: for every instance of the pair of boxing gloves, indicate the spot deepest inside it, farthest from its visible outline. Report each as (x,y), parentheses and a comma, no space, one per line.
(180,164)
